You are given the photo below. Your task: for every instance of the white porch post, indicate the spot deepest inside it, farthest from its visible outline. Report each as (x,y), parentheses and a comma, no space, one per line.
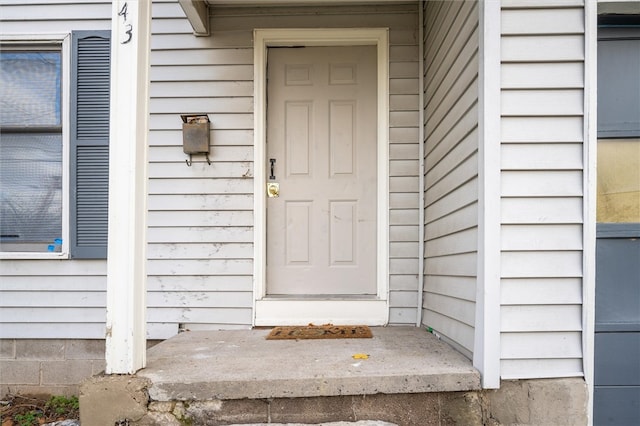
(126,260)
(486,351)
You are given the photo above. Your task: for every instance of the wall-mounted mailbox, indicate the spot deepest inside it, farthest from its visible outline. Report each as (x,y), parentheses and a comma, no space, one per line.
(195,135)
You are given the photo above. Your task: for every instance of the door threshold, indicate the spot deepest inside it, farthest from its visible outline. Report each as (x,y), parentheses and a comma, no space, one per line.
(321,297)
(273,312)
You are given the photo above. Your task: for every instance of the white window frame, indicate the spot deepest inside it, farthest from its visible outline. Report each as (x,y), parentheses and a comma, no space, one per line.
(64,42)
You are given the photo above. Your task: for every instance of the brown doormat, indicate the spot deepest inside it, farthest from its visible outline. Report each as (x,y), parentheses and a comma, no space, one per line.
(328,331)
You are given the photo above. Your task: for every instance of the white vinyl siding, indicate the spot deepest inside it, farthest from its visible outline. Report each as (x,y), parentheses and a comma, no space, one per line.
(403,168)
(53,298)
(451,170)
(201,217)
(46,298)
(542,189)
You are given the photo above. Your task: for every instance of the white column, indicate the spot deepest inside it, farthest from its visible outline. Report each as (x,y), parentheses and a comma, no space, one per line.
(126,259)
(486,350)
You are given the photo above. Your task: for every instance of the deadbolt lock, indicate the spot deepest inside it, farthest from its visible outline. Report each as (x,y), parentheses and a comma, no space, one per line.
(273,189)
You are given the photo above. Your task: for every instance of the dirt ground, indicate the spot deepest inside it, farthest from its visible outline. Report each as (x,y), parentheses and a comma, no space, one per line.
(25,410)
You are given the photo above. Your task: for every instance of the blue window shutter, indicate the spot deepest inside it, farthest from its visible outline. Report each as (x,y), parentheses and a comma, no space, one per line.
(89,149)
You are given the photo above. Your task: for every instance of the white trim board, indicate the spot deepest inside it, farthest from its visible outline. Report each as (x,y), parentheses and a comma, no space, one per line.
(126,325)
(302,312)
(421,168)
(273,312)
(486,351)
(590,156)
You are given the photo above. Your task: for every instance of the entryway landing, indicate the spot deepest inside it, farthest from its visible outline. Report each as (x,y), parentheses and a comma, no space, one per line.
(231,365)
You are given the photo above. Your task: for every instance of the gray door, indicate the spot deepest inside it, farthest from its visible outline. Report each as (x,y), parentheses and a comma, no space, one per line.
(617,338)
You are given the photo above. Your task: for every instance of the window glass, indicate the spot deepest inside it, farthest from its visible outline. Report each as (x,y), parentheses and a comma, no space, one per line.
(30,151)
(30,88)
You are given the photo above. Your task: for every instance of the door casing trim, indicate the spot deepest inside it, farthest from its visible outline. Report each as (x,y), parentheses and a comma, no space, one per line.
(264,309)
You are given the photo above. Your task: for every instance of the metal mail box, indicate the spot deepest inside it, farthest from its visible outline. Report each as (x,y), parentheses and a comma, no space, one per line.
(195,134)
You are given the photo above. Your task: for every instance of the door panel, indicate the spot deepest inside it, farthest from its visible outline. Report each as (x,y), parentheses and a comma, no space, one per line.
(297,121)
(322,134)
(617,281)
(616,405)
(617,359)
(617,338)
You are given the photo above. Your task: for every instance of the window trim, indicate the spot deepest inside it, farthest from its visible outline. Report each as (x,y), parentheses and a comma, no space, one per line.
(62,40)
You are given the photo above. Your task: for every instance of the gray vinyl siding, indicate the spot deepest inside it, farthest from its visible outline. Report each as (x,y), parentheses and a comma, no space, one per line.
(201,217)
(451,169)
(542,189)
(52,298)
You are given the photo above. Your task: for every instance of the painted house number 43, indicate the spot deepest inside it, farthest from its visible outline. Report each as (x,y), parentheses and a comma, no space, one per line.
(128,28)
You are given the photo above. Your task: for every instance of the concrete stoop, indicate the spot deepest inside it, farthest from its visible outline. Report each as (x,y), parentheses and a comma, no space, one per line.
(124,400)
(399,409)
(407,378)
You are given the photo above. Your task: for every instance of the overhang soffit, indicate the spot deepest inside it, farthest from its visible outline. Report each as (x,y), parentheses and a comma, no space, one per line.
(198,11)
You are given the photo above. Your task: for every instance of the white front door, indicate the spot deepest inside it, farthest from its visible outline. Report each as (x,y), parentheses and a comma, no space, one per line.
(321,111)
(321,151)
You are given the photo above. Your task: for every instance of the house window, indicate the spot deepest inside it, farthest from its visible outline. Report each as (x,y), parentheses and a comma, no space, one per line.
(31,166)
(54,145)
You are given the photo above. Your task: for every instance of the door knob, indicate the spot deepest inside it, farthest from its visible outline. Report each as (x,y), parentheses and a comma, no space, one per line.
(273,189)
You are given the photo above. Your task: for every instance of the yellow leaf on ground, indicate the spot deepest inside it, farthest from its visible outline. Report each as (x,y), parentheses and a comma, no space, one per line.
(360,356)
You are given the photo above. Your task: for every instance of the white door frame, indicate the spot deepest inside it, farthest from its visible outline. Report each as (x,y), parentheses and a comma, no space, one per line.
(282,312)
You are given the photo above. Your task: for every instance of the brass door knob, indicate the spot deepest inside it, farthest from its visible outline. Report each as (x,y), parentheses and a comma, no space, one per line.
(273,189)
